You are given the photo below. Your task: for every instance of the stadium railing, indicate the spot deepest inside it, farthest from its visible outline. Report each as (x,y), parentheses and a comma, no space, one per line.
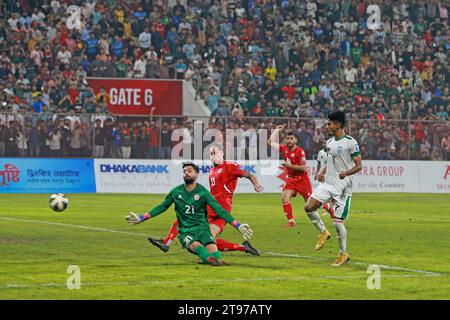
(138,137)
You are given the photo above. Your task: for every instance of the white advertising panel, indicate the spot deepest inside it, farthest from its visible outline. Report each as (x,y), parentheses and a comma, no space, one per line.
(434,177)
(160,176)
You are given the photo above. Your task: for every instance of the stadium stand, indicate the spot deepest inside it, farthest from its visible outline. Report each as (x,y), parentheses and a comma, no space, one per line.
(254,63)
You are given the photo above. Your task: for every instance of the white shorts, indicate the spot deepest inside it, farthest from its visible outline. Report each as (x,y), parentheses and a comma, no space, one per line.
(325,192)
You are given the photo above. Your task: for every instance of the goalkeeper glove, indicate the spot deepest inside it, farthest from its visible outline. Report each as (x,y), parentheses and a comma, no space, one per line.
(133,218)
(245,230)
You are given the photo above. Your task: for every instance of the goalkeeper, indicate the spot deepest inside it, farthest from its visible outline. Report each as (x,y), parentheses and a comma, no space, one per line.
(191,200)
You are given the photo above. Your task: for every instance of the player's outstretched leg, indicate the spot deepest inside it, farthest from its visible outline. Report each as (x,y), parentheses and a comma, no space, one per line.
(343,257)
(287,207)
(164,244)
(173,232)
(207,256)
(224,245)
(329,208)
(214,259)
(214,255)
(250,249)
(159,244)
(310,207)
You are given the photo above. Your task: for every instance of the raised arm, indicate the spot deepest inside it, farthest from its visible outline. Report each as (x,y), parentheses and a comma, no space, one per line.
(271,142)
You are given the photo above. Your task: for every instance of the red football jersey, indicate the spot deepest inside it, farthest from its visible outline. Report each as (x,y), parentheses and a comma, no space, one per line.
(297,157)
(223,180)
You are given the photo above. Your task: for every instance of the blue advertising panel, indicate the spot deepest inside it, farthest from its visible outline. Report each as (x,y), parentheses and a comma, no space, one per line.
(36,175)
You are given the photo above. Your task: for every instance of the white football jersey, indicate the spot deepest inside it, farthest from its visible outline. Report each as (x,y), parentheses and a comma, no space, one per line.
(322,158)
(340,158)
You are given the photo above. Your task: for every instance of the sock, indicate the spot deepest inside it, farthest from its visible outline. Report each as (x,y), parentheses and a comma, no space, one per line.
(287,208)
(173,232)
(216,254)
(224,245)
(202,253)
(342,235)
(317,222)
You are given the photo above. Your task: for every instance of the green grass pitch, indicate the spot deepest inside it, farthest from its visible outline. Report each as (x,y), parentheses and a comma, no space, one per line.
(407,234)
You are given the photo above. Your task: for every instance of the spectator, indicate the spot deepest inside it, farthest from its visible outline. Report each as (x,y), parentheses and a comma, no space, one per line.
(126,138)
(222,112)
(116,151)
(54,137)
(85,141)
(145,39)
(212,101)
(3,139)
(91,46)
(153,139)
(445,144)
(75,141)
(64,56)
(166,141)
(99,139)
(139,68)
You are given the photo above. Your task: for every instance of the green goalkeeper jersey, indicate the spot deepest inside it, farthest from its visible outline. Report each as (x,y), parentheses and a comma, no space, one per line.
(191,207)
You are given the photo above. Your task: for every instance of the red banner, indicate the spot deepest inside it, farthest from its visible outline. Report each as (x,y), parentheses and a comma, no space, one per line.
(140,96)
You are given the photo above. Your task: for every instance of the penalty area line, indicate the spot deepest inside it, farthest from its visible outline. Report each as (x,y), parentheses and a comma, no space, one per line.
(360,263)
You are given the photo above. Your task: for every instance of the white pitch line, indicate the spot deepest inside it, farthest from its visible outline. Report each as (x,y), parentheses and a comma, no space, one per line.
(74,226)
(382,266)
(238,280)
(427,273)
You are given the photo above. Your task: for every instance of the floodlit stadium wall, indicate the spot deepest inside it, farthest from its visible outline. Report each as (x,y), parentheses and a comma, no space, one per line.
(21,175)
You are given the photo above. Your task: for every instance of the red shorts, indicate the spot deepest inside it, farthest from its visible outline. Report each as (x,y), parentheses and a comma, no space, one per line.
(299,185)
(217,222)
(213,218)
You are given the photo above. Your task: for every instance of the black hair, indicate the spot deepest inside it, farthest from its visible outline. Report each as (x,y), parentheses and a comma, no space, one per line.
(290,133)
(337,116)
(191,164)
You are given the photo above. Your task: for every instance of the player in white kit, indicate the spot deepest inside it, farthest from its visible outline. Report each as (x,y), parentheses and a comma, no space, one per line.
(343,161)
(321,160)
(321,163)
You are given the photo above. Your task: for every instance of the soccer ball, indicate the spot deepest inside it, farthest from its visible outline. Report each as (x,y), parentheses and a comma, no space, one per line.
(58,202)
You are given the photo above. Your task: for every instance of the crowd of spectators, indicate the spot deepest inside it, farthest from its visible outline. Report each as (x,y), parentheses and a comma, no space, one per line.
(263,58)
(106,136)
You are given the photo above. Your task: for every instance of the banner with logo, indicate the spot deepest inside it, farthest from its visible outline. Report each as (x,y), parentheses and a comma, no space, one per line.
(153,176)
(140,96)
(46,175)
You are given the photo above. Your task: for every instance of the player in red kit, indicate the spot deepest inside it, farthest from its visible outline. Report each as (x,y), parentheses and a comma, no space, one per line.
(298,181)
(223,180)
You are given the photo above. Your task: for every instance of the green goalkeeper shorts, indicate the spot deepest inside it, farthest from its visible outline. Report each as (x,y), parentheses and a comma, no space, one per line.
(203,236)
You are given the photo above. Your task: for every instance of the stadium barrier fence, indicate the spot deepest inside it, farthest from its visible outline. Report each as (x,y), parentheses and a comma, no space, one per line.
(143,137)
